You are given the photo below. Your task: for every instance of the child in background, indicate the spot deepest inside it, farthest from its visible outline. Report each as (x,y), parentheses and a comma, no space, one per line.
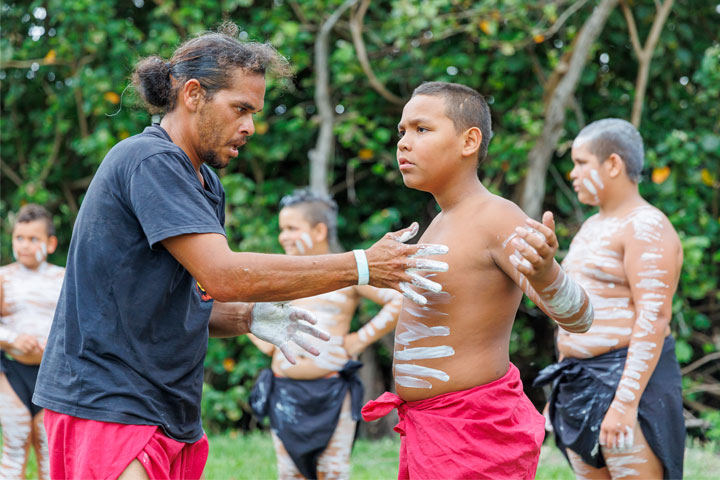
(463,413)
(616,405)
(29,291)
(314,405)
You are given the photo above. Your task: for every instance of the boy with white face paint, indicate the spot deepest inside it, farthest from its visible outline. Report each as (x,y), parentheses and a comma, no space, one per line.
(29,290)
(463,413)
(616,403)
(314,405)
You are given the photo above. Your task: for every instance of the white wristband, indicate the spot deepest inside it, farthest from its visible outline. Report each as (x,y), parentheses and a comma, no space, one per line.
(362,267)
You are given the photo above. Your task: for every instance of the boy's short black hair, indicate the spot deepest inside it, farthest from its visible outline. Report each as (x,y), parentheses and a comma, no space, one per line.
(32,212)
(465,107)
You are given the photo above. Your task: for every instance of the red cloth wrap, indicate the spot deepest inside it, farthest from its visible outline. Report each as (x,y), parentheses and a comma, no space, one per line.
(88,449)
(489,431)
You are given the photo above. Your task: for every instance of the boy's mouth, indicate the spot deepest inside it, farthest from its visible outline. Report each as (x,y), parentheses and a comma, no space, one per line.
(404,163)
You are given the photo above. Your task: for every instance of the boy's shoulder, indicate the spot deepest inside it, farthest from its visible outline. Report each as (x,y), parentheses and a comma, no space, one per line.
(55,270)
(9,268)
(498,211)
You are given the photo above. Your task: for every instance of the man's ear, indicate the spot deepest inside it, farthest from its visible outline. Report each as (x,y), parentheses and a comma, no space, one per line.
(319,232)
(191,94)
(615,165)
(52,244)
(472,140)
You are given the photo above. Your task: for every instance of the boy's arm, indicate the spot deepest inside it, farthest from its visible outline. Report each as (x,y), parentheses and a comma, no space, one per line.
(528,257)
(653,270)
(265,347)
(381,324)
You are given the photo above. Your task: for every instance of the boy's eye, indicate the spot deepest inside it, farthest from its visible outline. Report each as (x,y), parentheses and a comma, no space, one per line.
(401,133)
(421,129)
(240,109)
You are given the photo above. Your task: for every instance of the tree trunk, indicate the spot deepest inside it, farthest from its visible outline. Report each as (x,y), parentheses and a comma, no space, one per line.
(321,156)
(533,186)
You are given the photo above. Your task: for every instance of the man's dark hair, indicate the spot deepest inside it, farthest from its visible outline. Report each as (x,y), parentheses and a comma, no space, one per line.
(316,208)
(211,58)
(465,107)
(32,212)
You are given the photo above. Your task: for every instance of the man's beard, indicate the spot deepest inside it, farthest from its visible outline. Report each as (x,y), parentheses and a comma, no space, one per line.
(209,136)
(210,157)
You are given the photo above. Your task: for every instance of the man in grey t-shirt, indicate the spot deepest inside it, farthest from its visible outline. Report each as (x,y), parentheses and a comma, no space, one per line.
(150,274)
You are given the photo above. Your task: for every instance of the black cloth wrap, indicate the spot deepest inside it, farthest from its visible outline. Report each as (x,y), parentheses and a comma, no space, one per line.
(305,413)
(583,390)
(22,379)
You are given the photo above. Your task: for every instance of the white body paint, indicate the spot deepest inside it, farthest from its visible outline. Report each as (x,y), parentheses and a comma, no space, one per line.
(31,296)
(407,374)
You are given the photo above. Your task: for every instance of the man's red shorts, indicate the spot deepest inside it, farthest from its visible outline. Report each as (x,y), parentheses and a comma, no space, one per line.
(84,449)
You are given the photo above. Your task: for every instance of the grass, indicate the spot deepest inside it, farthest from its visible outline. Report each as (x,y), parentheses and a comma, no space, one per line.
(251,456)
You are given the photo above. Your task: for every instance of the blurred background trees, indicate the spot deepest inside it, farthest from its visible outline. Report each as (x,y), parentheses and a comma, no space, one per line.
(546,67)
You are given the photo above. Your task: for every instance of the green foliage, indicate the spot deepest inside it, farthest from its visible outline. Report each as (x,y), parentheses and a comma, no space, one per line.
(65,104)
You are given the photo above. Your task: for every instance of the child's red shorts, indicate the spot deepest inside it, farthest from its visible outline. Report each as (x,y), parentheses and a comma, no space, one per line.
(82,449)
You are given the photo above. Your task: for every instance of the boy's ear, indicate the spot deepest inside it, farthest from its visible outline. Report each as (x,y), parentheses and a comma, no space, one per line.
(52,244)
(319,232)
(615,165)
(472,139)
(191,94)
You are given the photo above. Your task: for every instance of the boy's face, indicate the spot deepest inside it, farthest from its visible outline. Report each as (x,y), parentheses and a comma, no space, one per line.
(297,236)
(429,145)
(31,243)
(588,175)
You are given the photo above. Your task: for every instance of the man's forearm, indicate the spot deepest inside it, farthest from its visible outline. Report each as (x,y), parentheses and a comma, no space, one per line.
(230,319)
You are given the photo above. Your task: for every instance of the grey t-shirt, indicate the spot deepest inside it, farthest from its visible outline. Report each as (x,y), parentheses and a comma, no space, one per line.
(130,332)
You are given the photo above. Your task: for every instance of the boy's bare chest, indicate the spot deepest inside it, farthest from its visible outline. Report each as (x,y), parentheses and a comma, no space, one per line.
(596,256)
(469,258)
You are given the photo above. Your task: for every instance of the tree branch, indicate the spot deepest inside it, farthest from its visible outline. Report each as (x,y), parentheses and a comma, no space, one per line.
(644,53)
(632,29)
(356,28)
(563,18)
(698,363)
(11,174)
(533,186)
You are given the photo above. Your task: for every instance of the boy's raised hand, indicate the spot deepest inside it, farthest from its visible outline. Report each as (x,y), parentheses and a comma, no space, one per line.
(535,247)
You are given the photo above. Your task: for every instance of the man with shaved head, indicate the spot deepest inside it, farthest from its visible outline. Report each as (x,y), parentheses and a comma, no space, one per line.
(616,402)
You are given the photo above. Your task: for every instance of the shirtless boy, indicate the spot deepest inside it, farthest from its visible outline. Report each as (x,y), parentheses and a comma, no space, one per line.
(29,291)
(314,405)
(463,413)
(616,404)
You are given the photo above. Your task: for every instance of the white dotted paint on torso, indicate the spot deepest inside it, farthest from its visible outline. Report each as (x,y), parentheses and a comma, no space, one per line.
(595,262)
(31,296)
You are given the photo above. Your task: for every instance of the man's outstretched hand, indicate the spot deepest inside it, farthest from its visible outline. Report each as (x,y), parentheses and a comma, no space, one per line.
(393,264)
(280,324)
